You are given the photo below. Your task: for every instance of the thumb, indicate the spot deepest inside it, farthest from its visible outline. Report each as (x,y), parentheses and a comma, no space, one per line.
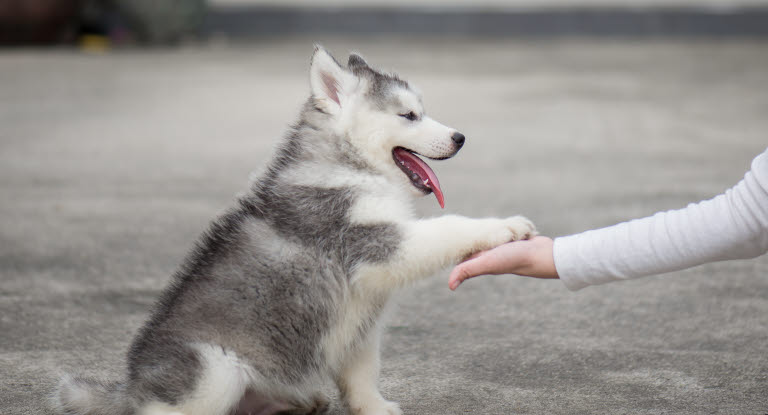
(471,268)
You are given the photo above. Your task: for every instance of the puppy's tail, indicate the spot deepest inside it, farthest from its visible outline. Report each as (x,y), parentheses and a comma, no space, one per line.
(85,396)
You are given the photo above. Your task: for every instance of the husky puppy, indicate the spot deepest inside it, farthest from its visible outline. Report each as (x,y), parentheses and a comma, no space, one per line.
(285,291)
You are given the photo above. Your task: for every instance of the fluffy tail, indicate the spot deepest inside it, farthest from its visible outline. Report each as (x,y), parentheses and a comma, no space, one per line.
(83,396)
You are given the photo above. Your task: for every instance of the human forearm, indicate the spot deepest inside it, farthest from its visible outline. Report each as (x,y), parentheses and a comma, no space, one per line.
(733,225)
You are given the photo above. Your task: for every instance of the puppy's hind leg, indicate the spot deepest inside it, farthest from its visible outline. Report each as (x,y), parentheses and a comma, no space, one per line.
(158,408)
(254,403)
(230,386)
(321,405)
(219,384)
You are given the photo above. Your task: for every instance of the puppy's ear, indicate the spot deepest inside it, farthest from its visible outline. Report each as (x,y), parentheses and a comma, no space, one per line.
(331,84)
(356,61)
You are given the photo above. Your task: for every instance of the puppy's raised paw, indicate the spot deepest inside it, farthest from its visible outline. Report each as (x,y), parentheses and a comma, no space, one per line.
(521,228)
(495,232)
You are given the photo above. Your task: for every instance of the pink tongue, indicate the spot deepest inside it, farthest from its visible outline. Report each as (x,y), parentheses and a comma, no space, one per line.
(427,176)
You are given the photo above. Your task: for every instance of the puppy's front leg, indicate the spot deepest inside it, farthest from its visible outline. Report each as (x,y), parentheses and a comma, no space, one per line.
(358,381)
(430,245)
(433,244)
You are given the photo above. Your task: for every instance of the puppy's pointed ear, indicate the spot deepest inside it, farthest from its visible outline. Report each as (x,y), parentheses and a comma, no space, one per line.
(356,61)
(331,84)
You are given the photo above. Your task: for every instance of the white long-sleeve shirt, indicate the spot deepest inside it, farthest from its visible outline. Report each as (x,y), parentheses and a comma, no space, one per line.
(733,225)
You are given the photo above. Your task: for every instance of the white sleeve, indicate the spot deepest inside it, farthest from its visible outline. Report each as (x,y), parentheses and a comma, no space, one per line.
(733,225)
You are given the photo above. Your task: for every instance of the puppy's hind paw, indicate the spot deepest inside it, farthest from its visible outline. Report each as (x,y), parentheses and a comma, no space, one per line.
(321,405)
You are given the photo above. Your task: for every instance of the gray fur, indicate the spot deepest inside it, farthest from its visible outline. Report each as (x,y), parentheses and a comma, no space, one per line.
(355,60)
(266,281)
(381,84)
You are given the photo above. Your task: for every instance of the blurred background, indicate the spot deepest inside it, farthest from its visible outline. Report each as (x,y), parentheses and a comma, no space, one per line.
(126,125)
(100,23)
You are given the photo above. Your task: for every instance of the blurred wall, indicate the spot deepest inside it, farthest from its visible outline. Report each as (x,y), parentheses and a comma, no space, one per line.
(251,18)
(503,4)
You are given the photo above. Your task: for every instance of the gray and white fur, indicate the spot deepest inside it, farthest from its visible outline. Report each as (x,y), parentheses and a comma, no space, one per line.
(286,290)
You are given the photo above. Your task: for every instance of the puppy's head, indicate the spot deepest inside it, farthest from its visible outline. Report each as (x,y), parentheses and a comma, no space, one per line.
(383,117)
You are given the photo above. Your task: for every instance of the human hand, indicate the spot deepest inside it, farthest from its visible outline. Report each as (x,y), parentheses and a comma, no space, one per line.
(531,258)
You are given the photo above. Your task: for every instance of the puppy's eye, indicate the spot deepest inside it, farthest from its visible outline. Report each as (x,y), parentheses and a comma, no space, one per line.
(410,116)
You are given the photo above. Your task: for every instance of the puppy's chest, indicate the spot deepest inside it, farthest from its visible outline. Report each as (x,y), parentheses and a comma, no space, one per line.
(357,317)
(371,207)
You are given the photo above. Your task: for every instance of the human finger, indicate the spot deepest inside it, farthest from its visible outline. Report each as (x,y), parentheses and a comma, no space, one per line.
(480,264)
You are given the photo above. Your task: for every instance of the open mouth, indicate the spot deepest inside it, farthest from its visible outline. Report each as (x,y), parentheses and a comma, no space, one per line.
(421,175)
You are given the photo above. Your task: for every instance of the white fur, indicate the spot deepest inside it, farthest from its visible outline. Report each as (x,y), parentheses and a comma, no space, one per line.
(375,133)
(428,246)
(330,82)
(433,244)
(360,377)
(71,395)
(383,196)
(219,388)
(223,382)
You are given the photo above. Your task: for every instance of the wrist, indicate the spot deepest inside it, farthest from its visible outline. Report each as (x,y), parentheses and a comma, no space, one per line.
(542,258)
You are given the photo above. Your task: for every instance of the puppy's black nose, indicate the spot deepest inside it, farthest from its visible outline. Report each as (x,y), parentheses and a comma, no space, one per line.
(458,138)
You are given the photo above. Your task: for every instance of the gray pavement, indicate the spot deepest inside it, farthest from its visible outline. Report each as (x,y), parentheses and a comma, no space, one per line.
(111,165)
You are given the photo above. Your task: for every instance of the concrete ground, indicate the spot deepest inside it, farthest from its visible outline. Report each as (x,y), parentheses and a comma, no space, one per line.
(111,165)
